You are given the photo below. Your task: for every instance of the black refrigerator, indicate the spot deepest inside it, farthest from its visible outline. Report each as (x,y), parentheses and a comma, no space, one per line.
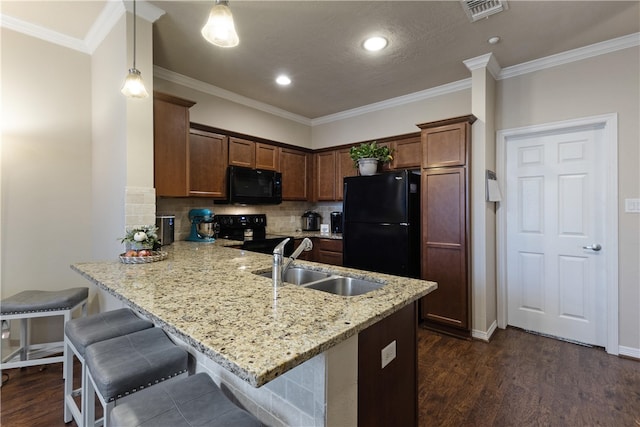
(381,217)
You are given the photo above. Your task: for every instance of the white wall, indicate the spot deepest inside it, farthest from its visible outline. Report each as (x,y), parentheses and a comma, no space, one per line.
(46,164)
(224,114)
(396,120)
(109,151)
(603,84)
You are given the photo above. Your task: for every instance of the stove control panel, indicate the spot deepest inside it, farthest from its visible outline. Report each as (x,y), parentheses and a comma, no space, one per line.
(242,221)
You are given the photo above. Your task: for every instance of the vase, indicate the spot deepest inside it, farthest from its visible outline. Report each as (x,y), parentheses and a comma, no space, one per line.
(136,246)
(368,166)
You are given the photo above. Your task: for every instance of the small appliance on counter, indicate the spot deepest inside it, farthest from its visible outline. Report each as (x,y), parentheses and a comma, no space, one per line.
(203,227)
(165,224)
(311,221)
(336,222)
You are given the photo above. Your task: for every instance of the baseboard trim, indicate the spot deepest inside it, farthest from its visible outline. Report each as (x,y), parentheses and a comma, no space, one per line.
(484,336)
(630,352)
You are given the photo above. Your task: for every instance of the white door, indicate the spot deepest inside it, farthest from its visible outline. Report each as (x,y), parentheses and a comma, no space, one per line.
(555,234)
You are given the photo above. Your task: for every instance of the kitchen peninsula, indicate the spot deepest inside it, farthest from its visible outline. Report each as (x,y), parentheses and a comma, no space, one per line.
(208,296)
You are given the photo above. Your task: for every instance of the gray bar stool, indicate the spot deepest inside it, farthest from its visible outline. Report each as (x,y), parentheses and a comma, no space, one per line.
(78,335)
(192,401)
(119,367)
(32,304)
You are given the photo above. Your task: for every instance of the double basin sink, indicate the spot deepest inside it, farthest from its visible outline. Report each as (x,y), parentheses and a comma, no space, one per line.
(327,282)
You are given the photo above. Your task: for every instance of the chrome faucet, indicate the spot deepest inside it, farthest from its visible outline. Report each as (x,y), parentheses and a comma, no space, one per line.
(280,268)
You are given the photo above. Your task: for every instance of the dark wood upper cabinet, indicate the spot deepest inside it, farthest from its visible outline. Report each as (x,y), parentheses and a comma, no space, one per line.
(207,164)
(344,168)
(325,176)
(170,145)
(446,145)
(251,154)
(294,166)
(407,153)
(267,157)
(242,152)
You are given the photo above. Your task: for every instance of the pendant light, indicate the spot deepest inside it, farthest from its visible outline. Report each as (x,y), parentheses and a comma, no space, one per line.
(133,86)
(220,29)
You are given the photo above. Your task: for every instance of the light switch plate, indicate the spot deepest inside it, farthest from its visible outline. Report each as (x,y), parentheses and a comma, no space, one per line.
(388,353)
(632,205)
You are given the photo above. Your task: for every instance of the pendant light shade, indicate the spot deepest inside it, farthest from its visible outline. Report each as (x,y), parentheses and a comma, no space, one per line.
(133,86)
(220,29)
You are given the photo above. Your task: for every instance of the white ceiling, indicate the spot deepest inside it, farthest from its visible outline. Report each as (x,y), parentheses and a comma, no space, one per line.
(318,43)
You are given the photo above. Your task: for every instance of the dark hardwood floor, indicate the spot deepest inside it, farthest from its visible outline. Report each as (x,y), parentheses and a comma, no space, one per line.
(518,379)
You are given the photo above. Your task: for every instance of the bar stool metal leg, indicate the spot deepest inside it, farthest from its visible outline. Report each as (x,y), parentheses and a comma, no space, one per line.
(79,334)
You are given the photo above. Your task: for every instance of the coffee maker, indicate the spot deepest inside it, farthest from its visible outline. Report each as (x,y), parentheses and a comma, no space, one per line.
(202,226)
(336,222)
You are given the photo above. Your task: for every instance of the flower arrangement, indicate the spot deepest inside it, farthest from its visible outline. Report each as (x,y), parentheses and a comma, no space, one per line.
(140,241)
(370,151)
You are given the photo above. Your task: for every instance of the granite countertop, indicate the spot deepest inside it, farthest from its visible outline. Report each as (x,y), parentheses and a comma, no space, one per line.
(207,295)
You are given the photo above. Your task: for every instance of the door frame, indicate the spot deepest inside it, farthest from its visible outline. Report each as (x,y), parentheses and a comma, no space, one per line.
(609,124)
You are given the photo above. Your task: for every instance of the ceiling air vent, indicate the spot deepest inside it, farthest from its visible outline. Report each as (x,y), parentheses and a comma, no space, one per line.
(478,9)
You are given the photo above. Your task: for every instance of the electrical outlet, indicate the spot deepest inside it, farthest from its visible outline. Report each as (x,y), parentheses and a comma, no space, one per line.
(632,205)
(388,353)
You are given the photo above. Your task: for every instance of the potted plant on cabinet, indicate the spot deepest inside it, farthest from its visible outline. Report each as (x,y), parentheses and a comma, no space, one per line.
(367,155)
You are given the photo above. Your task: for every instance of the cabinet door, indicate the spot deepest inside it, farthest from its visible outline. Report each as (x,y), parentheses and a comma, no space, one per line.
(407,153)
(326,175)
(267,157)
(444,250)
(344,168)
(329,251)
(445,145)
(294,166)
(207,164)
(242,152)
(170,149)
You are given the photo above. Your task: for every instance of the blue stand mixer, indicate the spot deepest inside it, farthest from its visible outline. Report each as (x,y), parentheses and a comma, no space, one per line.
(203,227)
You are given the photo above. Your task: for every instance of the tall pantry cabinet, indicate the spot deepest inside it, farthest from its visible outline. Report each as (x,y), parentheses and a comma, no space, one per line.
(446,154)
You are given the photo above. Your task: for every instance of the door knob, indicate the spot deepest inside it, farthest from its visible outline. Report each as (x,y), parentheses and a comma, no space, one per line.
(595,247)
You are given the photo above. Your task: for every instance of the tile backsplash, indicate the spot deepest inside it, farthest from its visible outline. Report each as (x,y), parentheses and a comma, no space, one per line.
(285,217)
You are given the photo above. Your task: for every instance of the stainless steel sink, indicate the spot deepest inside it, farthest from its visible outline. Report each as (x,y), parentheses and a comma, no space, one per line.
(300,276)
(327,282)
(344,286)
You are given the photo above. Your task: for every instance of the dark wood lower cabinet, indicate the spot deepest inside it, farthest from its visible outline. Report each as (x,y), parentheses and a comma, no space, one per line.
(387,396)
(444,249)
(328,251)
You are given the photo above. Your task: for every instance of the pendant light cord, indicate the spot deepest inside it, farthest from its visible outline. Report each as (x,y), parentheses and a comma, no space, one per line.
(134,34)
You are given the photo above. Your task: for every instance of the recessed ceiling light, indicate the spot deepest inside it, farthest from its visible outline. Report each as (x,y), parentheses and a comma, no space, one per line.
(374,44)
(494,40)
(283,80)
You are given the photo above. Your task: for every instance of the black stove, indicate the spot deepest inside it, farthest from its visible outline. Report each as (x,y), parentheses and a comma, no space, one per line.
(251,230)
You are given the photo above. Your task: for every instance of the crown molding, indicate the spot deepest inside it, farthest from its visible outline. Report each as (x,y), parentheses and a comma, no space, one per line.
(171,76)
(609,46)
(105,22)
(108,18)
(395,102)
(484,61)
(144,10)
(42,33)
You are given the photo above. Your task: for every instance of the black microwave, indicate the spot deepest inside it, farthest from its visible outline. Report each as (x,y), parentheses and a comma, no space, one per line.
(254,186)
